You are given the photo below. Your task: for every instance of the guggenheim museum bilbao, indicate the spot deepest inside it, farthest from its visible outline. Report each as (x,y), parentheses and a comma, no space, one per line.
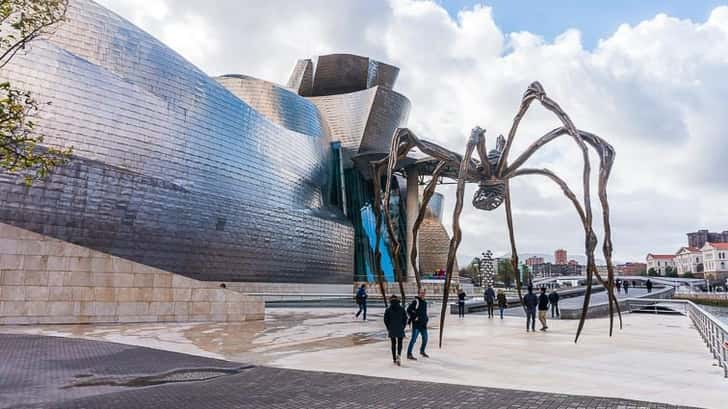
(230,179)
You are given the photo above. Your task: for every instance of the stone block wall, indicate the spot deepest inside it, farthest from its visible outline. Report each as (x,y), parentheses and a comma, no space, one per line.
(49,281)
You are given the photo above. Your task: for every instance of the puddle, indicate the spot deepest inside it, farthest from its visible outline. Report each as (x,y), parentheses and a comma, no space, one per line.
(176,376)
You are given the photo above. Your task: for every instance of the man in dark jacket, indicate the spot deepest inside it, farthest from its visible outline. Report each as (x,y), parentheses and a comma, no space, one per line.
(361,301)
(531,302)
(649,285)
(543,308)
(395,319)
(417,312)
(489,296)
(502,302)
(554,301)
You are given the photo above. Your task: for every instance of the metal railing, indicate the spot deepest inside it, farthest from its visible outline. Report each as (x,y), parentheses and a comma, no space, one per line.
(713,330)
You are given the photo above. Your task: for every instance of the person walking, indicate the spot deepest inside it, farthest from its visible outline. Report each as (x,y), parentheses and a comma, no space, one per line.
(489,296)
(395,319)
(626,286)
(502,302)
(531,302)
(361,300)
(619,285)
(543,308)
(461,303)
(554,301)
(417,312)
(649,285)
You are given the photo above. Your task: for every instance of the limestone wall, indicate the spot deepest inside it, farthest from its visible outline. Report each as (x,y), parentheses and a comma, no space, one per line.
(48,281)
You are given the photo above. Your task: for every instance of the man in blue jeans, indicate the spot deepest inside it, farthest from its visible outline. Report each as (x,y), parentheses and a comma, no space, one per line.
(417,312)
(531,302)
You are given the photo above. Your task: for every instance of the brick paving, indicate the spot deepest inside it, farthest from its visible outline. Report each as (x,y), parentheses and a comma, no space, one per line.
(34,370)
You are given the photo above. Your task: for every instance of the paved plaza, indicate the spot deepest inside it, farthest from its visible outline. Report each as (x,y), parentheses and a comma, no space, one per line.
(322,358)
(48,372)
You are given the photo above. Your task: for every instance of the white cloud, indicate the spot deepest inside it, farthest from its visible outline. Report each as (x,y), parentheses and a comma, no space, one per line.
(656,91)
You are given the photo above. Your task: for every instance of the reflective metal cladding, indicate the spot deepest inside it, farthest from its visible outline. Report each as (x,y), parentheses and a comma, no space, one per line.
(225,179)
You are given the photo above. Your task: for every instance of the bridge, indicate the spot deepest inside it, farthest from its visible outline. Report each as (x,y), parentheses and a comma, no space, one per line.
(665,281)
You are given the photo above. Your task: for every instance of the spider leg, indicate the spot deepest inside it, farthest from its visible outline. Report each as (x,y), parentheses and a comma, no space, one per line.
(376,179)
(483,154)
(426,196)
(606,160)
(456,232)
(536,91)
(394,244)
(533,91)
(512,238)
(403,141)
(590,238)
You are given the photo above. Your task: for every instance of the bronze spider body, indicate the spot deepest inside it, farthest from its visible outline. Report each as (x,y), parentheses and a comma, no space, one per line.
(492,171)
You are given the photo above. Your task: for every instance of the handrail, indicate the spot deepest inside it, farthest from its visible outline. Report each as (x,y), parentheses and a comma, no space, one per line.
(713,330)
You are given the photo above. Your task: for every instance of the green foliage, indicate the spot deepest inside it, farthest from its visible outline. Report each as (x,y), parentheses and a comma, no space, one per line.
(689,274)
(670,272)
(22,21)
(652,272)
(527,276)
(505,273)
(472,271)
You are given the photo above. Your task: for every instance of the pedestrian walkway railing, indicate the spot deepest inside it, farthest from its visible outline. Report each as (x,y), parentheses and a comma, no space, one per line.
(712,329)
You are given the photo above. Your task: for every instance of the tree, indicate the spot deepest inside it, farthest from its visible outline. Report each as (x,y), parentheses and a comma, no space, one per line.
(652,273)
(526,274)
(472,271)
(22,21)
(670,272)
(689,274)
(505,272)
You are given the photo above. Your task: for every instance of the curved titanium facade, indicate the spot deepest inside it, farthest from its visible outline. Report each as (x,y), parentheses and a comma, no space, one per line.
(279,105)
(171,169)
(364,121)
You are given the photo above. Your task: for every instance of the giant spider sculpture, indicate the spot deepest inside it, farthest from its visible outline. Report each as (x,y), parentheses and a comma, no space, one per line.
(493,173)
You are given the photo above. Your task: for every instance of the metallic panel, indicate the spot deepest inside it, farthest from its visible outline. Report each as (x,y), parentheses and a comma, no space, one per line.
(301,80)
(390,111)
(433,245)
(364,121)
(172,169)
(347,115)
(347,73)
(279,105)
(436,204)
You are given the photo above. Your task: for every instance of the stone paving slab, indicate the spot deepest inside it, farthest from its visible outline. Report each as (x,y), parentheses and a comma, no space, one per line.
(34,369)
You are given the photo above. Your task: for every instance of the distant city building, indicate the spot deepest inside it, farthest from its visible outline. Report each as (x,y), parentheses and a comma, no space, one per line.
(531,261)
(574,268)
(700,237)
(631,269)
(556,270)
(560,256)
(715,258)
(689,260)
(660,262)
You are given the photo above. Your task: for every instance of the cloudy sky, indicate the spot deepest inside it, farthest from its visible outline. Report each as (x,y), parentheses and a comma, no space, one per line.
(652,78)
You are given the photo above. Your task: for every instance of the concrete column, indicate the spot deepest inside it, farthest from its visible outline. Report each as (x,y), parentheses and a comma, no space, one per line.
(413,207)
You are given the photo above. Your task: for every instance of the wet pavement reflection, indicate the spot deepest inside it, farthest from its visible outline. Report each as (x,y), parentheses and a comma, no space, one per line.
(284,332)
